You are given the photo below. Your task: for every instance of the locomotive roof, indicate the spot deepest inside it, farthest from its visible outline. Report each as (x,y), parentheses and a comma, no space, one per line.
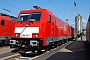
(34,10)
(6,16)
(2,14)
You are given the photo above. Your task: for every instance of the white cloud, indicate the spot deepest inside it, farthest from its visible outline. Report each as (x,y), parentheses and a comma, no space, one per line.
(84,21)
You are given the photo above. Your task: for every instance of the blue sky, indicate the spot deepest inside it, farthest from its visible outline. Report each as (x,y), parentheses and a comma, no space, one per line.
(64,9)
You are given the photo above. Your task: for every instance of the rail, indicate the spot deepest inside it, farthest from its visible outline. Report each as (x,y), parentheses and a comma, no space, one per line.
(12,57)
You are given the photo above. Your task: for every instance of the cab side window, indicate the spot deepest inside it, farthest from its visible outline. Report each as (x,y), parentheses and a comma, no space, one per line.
(49,18)
(3,22)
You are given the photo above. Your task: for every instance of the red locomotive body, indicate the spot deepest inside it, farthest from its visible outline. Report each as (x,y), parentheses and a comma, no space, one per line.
(88,30)
(38,29)
(6,29)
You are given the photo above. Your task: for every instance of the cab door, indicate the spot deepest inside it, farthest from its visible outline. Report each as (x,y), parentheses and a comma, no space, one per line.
(49,27)
(53,27)
(2,27)
(8,28)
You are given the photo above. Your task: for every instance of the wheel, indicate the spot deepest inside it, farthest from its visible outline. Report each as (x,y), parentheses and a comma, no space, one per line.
(11,46)
(1,45)
(59,43)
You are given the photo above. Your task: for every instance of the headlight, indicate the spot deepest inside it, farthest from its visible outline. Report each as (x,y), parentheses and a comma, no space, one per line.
(35,34)
(18,34)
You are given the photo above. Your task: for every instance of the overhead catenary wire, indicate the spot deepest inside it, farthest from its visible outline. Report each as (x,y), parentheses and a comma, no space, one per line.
(61,6)
(42,3)
(30,2)
(27,2)
(65,12)
(56,8)
(6,10)
(10,5)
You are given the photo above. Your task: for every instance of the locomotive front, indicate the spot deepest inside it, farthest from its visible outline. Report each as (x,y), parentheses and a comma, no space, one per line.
(27,34)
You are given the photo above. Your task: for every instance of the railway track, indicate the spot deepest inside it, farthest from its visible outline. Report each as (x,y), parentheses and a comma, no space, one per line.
(43,56)
(51,52)
(5,49)
(12,57)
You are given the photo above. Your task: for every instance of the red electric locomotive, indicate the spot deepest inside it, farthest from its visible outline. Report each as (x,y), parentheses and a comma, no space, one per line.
(38,29)
(6,28)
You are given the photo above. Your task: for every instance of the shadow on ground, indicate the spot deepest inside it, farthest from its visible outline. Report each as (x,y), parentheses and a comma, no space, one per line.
(80,51)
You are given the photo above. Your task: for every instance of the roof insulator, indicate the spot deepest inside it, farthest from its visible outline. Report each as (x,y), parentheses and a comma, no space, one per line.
(37,7)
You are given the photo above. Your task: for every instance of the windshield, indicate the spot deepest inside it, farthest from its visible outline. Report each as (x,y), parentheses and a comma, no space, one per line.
(30,17)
